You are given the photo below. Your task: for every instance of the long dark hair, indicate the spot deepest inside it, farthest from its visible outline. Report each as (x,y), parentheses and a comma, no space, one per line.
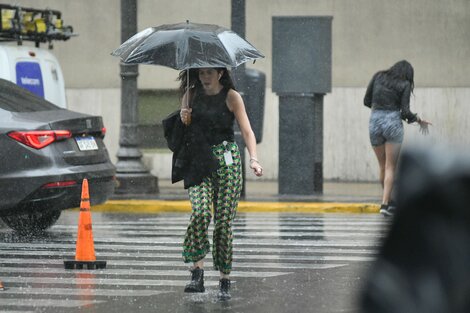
(195,83)
(396,75)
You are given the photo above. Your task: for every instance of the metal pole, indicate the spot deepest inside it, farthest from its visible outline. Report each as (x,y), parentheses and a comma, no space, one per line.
(238,26)
(318,143)
(132,176)
(308,151)
(238,17)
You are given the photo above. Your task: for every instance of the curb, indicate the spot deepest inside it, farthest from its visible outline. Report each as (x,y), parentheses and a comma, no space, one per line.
(162,206)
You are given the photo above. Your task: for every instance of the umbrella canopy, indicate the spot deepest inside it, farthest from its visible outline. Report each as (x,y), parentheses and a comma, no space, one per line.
(187,45)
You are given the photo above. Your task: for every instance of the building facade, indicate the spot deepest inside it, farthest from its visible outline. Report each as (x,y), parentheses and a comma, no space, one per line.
(367,36)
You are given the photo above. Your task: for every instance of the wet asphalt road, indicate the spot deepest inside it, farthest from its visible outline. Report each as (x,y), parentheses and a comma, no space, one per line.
(282,263)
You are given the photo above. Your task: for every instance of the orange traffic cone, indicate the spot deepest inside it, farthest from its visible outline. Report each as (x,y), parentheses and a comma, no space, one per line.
(2,288)
(85,248)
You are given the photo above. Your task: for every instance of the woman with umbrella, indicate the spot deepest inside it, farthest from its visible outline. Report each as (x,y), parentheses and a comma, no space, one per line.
(214,104)
(208,160)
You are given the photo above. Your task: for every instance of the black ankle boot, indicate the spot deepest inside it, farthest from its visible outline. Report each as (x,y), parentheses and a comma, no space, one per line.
(197,281)
(224,292)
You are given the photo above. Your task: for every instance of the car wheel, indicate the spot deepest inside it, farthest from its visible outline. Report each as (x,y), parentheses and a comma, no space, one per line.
(33,222)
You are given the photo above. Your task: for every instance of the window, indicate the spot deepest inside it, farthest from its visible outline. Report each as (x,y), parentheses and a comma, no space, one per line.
(154,106)
(17,99)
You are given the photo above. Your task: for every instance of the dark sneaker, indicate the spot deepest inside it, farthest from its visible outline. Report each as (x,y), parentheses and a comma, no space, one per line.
(387,210)
(383,209)
(197,281)
(224,292)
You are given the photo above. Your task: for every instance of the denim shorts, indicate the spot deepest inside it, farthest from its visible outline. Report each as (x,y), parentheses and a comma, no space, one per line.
(385,126)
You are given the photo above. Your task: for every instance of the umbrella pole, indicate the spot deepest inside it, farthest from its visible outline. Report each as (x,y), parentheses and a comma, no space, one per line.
(187,88)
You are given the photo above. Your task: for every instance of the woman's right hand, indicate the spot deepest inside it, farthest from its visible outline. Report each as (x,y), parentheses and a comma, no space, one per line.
(257,168)
(423,126)
(185,116)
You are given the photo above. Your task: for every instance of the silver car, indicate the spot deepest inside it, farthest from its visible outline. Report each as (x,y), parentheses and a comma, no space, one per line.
(45,153)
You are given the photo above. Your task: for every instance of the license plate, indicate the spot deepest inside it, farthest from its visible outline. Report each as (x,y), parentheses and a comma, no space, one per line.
(86,143)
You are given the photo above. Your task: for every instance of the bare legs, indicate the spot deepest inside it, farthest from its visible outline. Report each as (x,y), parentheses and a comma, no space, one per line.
(387,155)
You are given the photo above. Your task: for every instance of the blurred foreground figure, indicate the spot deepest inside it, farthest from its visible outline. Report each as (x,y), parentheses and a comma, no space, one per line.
(424,263)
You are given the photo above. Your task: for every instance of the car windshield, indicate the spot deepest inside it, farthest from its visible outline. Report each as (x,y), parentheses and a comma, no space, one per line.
(17,99)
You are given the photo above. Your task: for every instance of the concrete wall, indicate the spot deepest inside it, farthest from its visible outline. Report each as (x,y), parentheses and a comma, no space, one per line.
(347,152)
(368,35)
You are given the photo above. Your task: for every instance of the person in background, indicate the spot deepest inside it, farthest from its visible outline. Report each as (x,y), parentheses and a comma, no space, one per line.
(210,105)
(388,95)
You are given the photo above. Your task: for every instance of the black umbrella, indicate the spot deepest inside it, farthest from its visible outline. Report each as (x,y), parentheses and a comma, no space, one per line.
(187,45)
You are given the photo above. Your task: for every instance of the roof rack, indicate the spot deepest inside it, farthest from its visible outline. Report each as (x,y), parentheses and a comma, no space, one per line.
(26,24)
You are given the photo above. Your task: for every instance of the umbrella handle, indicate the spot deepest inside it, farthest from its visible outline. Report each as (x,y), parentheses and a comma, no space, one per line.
(187,84)
(188,95)
(189,98)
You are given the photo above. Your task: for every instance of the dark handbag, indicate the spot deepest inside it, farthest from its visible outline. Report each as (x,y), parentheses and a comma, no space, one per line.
(173,130)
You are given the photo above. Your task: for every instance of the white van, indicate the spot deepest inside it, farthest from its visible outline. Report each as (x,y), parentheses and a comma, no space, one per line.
(30,67)
(34,69)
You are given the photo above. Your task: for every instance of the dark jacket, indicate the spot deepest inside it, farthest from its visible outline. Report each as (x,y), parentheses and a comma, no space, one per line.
(192,155)
(380,96)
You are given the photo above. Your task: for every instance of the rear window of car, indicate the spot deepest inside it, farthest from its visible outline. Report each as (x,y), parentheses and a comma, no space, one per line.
(17,99)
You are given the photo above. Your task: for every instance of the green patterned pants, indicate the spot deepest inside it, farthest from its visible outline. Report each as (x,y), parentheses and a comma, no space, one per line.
(221,191)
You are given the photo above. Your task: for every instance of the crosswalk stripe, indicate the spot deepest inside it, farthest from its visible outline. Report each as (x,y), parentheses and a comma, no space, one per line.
(177,248)
(371,242)
(93,282)
(80,291)
(174,264)
(145,272)
(240,234)
(105,254)
(326,228)
(261,220)
(56,303)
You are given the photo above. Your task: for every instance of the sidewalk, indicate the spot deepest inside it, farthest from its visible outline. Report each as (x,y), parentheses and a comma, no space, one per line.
(261,196)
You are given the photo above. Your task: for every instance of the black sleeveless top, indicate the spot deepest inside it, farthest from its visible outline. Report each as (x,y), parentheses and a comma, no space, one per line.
(211,114)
